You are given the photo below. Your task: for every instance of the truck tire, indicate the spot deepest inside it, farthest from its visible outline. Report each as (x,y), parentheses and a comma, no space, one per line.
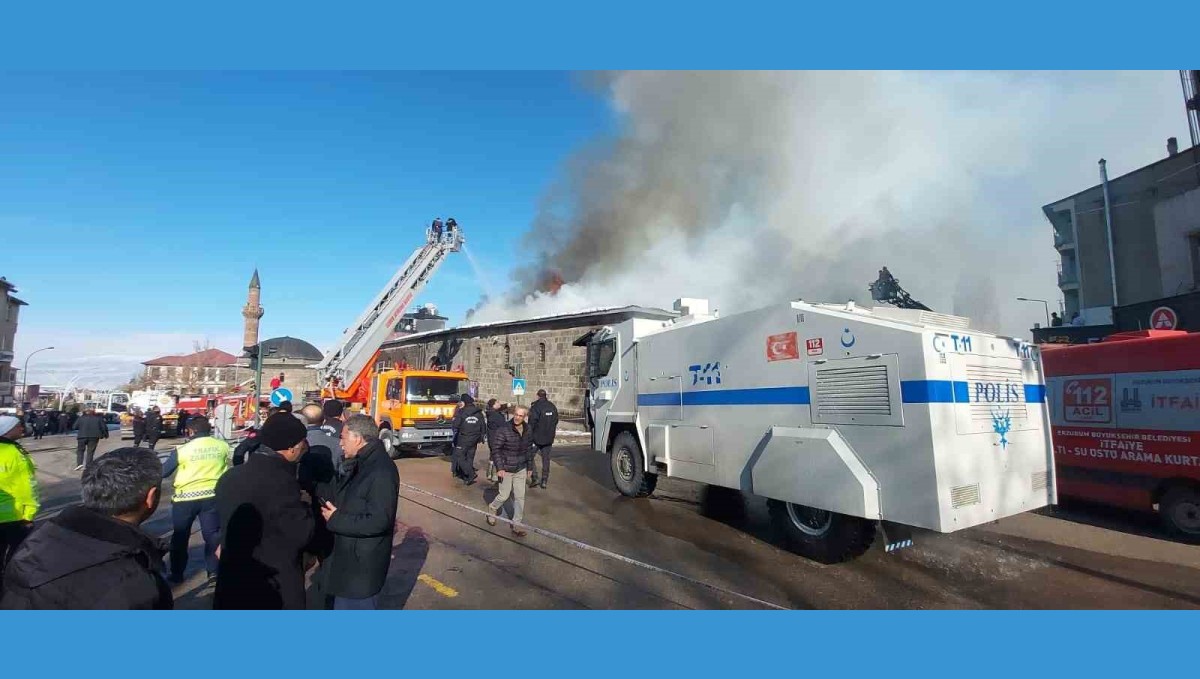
(823,536)
(629,467)
(390,444)
(1180,511)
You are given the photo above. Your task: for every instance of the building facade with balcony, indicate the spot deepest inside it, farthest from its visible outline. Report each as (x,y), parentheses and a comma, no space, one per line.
(8,336)
(1155,225)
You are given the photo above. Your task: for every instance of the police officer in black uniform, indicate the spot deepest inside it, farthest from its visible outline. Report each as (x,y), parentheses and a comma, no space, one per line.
(469,426)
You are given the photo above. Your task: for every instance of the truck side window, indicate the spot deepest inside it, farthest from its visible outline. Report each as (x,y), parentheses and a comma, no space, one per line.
(600,357)
(393,390)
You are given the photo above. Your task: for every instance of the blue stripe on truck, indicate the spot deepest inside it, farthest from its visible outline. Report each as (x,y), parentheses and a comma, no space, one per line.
(911,391)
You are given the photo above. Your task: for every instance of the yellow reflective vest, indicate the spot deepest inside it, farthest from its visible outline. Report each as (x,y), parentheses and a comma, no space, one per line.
(18,485)
(201,463)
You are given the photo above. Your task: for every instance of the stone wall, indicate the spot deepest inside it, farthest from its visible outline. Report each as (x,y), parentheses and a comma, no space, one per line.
(542,355)
(298,378)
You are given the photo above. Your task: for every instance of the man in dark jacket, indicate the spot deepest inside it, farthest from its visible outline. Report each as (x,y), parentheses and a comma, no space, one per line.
(266,524)
(469,429)
(153,426)
(317,472)
(95,556)
(248,445)
(63,418)
(362,518)
(181,423)
(543,420)
(495,420)
(92,428)
(40,424)
(138,423)
(334,411)
(511,454)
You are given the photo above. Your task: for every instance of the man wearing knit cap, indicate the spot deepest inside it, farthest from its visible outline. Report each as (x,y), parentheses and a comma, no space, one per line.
(18,488)
(266,523)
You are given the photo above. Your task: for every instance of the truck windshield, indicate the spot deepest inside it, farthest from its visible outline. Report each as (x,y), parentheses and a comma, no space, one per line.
(434,389)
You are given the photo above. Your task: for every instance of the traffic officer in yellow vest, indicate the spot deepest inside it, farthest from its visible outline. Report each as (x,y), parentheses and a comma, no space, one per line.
(197,465)
(18,488)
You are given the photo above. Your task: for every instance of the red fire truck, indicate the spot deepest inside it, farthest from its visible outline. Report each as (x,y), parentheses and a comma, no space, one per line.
(1126,423)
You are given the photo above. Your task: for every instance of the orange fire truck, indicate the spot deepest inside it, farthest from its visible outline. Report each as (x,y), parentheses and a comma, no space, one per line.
(413,407)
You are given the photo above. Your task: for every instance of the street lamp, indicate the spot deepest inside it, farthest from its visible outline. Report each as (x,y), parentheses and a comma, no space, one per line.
(1044,304)
(25,375)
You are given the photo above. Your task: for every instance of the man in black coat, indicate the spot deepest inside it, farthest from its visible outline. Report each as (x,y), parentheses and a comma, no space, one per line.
(95,556)
(92,428)
(40,424)
(511,454)
(362,518)
(248,445)
(153,426)
(495,420)
(543,420)
(266,524)
(334,411)
(139,426)
(469,427)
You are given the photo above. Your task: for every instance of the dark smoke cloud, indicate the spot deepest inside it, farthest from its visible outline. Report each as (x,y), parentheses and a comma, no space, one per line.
(752,188)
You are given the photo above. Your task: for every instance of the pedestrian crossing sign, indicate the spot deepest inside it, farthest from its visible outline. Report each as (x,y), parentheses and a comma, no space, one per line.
(518,386)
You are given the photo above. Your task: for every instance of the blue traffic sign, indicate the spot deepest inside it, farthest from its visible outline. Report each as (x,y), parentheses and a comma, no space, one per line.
(280,395)
(518,387)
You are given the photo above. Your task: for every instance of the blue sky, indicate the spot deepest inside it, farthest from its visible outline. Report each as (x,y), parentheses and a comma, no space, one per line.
(135,206)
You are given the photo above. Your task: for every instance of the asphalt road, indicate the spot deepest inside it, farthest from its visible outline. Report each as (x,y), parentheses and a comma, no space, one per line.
(722,553)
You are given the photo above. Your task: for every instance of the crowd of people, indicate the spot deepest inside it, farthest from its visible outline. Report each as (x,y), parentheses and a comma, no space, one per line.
(43,422)
(305,494)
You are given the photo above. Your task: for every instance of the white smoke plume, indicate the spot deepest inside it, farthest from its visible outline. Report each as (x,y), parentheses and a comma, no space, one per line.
(753,188)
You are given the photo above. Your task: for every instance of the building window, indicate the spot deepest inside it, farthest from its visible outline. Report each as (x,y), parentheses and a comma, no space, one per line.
(507,355)
(542,351)
(478,357)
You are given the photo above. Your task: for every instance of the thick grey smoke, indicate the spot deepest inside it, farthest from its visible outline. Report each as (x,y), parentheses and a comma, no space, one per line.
(751,188)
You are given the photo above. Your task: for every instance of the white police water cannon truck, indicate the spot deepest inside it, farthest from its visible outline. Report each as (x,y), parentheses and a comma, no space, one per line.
(846,419)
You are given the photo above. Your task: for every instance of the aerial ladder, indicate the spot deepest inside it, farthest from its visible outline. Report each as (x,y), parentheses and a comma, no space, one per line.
(345,369)
(887,289)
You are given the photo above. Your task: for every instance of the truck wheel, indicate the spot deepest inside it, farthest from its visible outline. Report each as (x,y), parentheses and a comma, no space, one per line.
(1180,511)
(389,443)
(823,536)
(629,467)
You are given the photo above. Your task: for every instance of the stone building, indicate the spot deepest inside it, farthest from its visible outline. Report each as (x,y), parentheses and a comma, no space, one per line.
(539,350)
(290,357)
(8,336)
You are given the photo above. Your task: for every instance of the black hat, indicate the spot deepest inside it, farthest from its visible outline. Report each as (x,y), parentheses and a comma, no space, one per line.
(467,399)
(281,431)
(333,408)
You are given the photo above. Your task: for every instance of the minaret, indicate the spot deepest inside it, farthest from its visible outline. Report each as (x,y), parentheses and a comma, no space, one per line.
(252,312)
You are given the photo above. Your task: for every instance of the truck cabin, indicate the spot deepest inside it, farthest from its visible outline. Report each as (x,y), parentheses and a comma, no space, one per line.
(404,397)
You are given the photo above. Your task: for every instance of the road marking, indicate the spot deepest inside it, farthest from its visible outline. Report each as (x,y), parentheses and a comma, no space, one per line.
(595,550)
(444,590)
